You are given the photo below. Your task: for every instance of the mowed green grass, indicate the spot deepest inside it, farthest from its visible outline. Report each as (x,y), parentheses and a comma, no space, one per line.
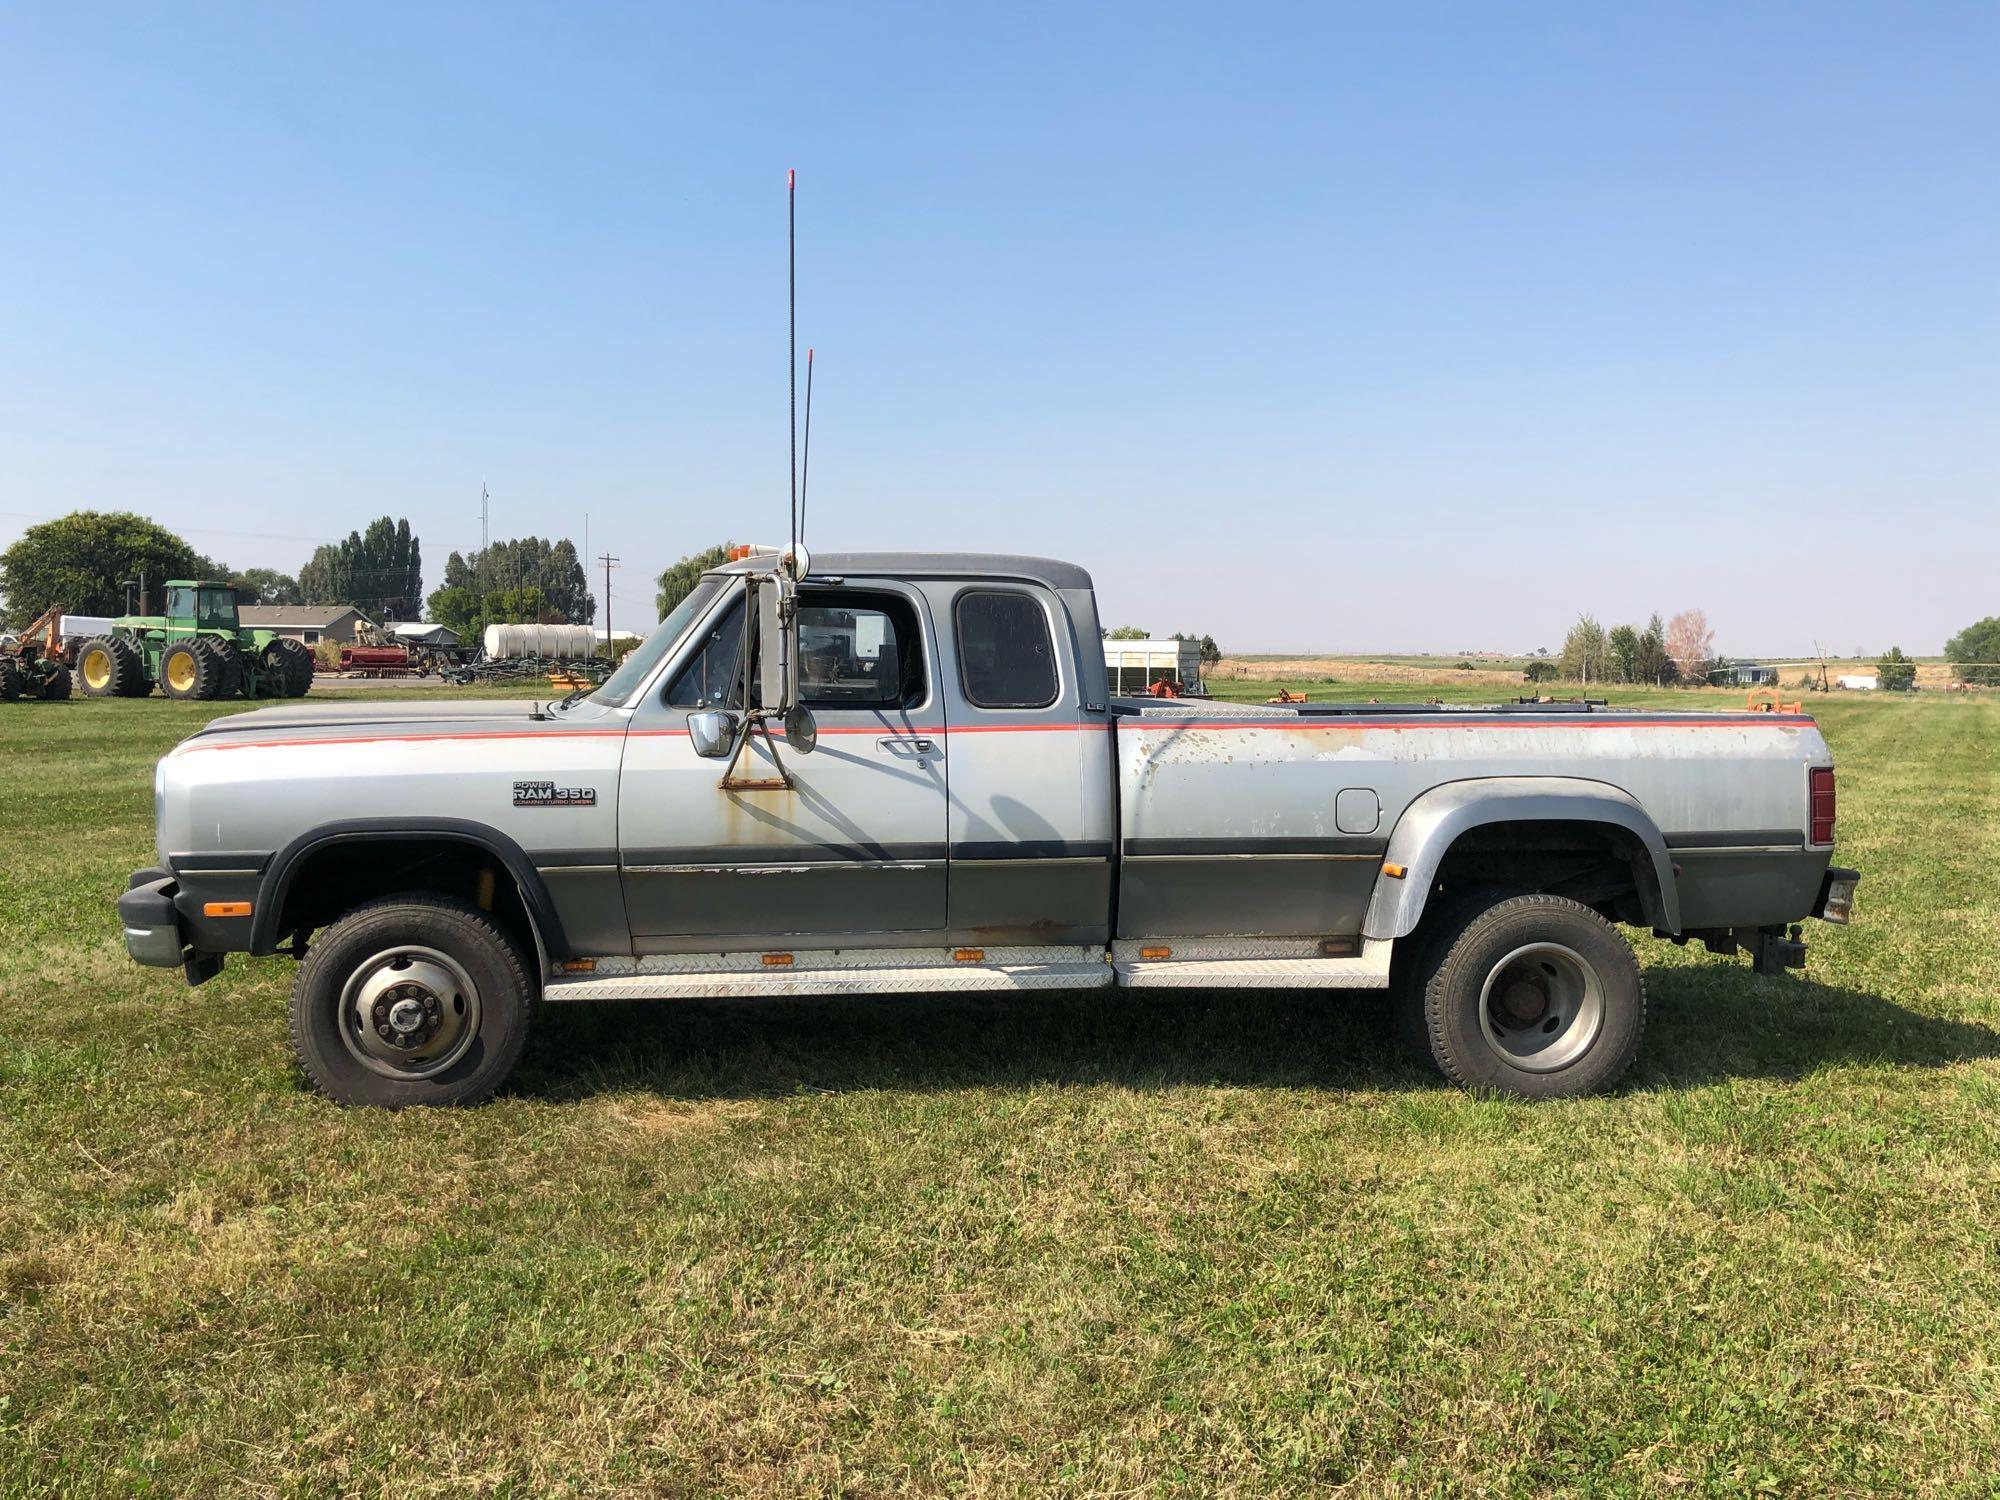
(1093,1244)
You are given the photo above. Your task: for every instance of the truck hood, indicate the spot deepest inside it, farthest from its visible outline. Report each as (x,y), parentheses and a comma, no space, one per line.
(336,719)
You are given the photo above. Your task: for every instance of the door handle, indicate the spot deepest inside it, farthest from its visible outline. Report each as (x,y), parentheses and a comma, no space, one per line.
(907,744)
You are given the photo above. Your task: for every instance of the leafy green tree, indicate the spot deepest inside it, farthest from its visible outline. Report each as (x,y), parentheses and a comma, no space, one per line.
(528,562)
(1586,654)
(1540,669)
(265,586)
(1895,671)
(1126,633)
(1623,643)
(81,561)
(679,580)
(455,608)
(379,570)
(1974,645)
(1650,664)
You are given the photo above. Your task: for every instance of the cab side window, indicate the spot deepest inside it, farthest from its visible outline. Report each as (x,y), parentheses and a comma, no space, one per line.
(713,678)
(1006,658)
(859,650)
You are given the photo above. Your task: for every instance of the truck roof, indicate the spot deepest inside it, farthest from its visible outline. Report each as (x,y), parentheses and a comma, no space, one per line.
(1047,571)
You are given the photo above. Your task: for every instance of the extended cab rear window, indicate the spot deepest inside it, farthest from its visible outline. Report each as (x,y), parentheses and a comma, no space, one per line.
(1005,656)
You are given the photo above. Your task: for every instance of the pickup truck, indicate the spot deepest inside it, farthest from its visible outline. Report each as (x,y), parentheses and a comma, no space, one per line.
(893,772)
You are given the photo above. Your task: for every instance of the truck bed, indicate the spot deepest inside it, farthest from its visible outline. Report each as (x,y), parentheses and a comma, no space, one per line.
(1275,820)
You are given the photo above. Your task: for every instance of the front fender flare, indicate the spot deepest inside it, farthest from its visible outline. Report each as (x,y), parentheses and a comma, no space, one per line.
(1430,825)
(543,922)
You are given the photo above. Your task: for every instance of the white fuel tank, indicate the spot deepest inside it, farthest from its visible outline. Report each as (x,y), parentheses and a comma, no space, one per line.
(557,642)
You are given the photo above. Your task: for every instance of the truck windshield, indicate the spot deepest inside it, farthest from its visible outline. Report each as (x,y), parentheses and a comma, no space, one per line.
(639,662)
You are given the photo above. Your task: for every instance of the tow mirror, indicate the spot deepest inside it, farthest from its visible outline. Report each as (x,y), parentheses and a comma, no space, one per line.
(801,730)
(712,732)
(774,645)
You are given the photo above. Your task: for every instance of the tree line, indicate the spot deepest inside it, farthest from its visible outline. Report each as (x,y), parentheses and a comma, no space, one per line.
(1657,655)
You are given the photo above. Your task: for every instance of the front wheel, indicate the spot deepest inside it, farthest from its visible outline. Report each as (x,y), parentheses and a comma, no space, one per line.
(411,1000)
(1532,995)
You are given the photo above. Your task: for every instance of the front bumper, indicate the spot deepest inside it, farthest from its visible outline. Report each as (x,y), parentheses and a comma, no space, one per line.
(154,932)
(152,926)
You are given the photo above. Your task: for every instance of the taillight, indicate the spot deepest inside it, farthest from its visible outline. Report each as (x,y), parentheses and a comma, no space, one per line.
(1819,785)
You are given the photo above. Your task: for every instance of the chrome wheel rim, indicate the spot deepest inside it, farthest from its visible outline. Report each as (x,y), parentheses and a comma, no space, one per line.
(1541,1007)
(409,1012)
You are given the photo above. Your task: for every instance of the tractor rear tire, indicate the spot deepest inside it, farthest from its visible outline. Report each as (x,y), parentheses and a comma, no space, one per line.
(10,679)
(228,667)
(57,687)
(285,669)
(188,670)
(130,679)
(298,667)
(111,667)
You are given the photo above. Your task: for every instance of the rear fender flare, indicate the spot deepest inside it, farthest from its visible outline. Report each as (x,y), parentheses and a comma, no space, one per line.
(550,943)
(1431,824)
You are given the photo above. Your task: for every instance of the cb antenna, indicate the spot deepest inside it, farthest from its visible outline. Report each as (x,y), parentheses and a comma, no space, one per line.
(805,461)
(792,346)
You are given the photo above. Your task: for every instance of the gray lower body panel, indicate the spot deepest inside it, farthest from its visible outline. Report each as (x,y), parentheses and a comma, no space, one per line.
(1306,895)
(1748,887)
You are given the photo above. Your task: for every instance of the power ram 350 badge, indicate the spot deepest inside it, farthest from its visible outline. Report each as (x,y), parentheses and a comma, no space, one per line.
(548,794)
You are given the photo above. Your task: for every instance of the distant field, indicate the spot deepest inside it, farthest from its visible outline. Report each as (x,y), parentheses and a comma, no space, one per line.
(1092,1245)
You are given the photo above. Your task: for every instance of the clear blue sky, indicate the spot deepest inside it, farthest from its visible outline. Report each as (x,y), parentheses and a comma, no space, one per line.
(1314,327)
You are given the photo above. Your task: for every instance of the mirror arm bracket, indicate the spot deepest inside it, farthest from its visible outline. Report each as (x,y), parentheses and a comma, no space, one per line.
(754,723)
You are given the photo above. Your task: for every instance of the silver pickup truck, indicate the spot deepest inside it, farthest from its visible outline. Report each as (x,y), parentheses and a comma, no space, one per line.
(903,773)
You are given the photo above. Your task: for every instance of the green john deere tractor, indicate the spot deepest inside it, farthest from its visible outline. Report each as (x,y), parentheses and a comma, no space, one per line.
(196,650)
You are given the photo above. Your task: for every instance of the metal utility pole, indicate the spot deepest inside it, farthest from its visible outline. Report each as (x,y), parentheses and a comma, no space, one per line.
(609,562)
(482,515)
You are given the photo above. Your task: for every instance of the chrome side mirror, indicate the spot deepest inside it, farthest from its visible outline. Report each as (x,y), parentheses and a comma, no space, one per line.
(801,729)
(713,733)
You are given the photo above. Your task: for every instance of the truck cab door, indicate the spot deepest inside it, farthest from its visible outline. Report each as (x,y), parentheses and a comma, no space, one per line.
(1032,819)
(854,849)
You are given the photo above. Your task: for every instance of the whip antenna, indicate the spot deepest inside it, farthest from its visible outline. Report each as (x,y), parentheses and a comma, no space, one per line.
(792,345)
(806,460)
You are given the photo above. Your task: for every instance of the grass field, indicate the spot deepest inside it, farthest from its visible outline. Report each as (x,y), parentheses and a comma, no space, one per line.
(1101,1245)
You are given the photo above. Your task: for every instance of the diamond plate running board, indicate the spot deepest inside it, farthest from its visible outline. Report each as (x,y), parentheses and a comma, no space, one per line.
(717,976)
(1247,963)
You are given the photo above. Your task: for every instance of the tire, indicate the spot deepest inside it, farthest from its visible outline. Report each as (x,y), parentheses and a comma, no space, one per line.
(1415,957)
(57,686)
(106,666)
(460,966)
(132,681)
(228,667)
(296,668)
(188,669)
(1531,995)
(272,680)
(11,680)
